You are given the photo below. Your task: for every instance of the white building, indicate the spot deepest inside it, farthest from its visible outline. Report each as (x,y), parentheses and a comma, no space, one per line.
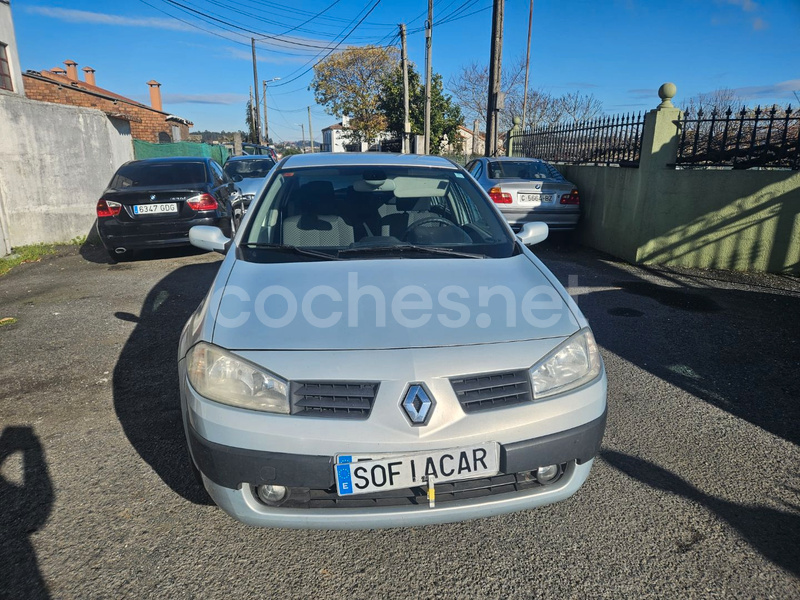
(10,73)
(335,139)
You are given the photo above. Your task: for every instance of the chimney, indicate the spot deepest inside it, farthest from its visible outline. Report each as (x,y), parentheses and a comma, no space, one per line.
(58,71)
(155,94)
(88,73)
(72,69)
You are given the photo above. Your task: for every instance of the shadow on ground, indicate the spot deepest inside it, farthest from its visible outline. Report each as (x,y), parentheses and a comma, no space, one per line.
(774,533)
(25,505)
(145,384)
(736,346)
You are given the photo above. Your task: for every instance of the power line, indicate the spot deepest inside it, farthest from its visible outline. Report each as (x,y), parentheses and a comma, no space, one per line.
(291,79)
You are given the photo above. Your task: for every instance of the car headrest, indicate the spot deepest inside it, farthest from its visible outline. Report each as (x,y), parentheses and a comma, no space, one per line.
(317,197)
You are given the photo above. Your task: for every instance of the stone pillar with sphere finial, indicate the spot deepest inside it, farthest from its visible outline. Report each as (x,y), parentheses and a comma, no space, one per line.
(660,137)
(513,136)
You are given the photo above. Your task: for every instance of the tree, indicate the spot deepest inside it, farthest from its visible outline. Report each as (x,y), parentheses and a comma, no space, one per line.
(252,135)
(470,87)
(445,114)
(721,99)
(579,107)
(349,83)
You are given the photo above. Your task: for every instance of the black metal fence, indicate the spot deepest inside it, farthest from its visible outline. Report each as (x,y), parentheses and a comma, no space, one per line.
(609,140)
(741,140)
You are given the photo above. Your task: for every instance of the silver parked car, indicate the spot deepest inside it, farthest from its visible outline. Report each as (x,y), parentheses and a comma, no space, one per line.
(527,190)
(250,174)
(380,350)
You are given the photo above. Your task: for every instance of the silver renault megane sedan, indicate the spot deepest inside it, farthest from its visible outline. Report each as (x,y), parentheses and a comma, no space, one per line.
(380,350)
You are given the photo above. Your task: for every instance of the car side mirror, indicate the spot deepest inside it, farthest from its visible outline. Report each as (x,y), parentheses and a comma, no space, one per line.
(531,233)
(206,237)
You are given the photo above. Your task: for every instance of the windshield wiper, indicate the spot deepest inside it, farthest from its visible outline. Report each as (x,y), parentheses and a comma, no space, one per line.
(389,250)
(291,249)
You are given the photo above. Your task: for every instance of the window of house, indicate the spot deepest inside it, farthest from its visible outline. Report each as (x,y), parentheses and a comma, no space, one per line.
(5,70)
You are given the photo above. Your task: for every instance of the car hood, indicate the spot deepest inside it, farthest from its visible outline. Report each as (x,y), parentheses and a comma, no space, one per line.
(388,303)
(251,185)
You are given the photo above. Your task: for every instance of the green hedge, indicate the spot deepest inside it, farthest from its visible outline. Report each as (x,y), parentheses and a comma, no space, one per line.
(147,150)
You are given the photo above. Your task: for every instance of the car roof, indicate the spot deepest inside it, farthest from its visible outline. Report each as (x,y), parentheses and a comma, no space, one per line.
(251,157)
(514,159)
(348,159)
(170,159)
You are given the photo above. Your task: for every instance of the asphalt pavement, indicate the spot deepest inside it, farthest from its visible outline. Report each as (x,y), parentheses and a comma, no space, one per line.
(696,493)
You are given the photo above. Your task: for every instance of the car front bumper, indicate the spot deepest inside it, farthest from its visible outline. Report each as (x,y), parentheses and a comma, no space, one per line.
(237,449)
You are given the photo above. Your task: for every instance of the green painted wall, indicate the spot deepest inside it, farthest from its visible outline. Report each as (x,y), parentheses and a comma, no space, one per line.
(738,220)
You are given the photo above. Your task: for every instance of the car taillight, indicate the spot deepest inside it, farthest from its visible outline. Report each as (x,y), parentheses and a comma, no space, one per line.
(571,198)
(203,202)
(498,196)
(107,208)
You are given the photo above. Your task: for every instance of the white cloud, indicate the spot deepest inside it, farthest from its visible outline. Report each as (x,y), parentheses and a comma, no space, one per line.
(70,15)
(204,99)
(783,90)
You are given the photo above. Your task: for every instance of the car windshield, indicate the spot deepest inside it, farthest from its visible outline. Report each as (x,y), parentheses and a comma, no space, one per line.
(523,169)
(251,168)
(146,174)
(393,211)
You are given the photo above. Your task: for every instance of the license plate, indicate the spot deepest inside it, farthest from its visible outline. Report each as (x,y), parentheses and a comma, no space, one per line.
(358,474)
(534,198)
(148,209)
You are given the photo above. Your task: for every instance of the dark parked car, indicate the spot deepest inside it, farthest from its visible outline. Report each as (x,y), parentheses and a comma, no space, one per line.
(528,189)
(154,203)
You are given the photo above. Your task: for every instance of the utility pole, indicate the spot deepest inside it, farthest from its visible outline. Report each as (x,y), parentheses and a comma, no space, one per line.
(310,131)
(476,132)
(264,100)
(527,66)
(406,122)
(428,69)
(255,88)
(495,64)
(266,125)
(303,130)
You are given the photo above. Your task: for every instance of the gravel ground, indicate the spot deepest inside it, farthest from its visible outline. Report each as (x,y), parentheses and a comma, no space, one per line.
(695,494)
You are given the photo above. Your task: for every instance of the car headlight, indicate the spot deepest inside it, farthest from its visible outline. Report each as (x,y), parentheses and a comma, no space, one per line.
(226,378)
(575,362)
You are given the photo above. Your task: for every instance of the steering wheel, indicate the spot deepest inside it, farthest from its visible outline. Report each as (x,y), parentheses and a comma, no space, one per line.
(426,221)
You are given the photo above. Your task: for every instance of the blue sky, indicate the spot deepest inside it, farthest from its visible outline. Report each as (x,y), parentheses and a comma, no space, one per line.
(618,50)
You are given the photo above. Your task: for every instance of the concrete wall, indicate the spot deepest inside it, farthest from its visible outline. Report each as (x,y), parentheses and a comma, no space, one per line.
(55,162)
(742,220)
(8,38)
(738,220)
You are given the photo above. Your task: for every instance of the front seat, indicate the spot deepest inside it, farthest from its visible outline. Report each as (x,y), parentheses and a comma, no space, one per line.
(317,224)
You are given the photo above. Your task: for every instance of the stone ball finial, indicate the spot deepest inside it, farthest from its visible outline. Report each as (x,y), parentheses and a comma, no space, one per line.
(667,92)
(517,121)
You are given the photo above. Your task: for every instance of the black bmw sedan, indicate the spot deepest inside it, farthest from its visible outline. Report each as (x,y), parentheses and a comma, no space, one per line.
(153,203)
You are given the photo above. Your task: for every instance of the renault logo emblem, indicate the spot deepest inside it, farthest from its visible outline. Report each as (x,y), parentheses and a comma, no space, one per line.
(417,404)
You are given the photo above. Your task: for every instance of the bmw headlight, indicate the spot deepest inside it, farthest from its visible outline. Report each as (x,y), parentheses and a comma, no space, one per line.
(575,362)
(226,378)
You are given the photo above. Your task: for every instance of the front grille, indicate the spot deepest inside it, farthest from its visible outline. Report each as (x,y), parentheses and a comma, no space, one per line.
(492,390)
(334,399)
(445,492)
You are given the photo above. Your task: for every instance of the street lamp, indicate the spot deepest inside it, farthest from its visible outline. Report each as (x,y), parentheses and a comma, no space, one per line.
(303,130)
(266,127)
